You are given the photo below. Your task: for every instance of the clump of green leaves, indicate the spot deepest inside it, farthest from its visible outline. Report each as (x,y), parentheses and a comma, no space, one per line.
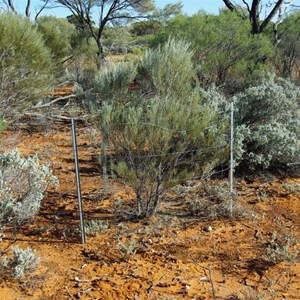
(57,34)
(292,188)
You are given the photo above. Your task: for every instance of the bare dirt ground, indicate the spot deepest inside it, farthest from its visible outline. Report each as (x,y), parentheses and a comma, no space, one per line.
(173,255)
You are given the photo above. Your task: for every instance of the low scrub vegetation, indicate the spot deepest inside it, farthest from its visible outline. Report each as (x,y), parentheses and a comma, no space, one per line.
(162,111)
(22,263)
(268,125)
(23,183)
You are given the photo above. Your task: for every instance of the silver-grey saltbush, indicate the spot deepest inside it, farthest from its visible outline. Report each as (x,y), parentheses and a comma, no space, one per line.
(22,262)
(23,183)
(268,124)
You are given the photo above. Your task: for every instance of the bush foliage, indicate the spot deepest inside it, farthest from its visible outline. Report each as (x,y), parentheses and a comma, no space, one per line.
(162,132)
(22,263)
(23,183)
(268,124)
(25,64)
(227,54)
(58,35)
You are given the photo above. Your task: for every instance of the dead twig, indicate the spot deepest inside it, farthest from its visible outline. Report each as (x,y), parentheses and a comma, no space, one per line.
(210,277)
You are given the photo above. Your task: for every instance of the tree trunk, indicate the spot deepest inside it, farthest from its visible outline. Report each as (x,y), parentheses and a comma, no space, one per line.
(258,25)
(254,17)
(100,53)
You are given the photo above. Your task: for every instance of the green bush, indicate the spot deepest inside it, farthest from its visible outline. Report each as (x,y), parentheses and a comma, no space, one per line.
(25,64)
(161,131)
(58,35)
(268,125)
(289,47)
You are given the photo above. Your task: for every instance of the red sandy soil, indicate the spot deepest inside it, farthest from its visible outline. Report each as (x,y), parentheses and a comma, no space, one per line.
(173,255)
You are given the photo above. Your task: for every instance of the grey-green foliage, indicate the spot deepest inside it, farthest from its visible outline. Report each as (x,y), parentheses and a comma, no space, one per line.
(281,248)
(23,183)
(161,132)
(268,124)
(25,63)
(23,262)
(3,124)
(83,66)
(94,227)
(113,84)
(168,69)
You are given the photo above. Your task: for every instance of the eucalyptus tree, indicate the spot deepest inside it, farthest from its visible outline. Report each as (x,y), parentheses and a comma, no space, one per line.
(96,15)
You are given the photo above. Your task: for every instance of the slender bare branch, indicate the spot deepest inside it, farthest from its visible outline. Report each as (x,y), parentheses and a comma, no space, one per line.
(258,24)
(44,6)
(11,5)
(27,9)
(56,100)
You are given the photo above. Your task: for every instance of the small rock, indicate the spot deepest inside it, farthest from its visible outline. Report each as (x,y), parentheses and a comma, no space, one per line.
(204,279)
(207,229)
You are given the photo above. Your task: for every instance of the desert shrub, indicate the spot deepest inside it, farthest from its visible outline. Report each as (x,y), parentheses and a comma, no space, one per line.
(112,84)
(25,64)
(293,188)
(23,183)
(83,66)
(128,249)
(161,131)
(268,125)
(167,70)
(289,47)
(280,248)
(94,227)
(23,262)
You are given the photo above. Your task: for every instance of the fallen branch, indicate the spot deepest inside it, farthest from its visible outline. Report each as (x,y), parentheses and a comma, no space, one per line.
(55,100)
(40,115)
